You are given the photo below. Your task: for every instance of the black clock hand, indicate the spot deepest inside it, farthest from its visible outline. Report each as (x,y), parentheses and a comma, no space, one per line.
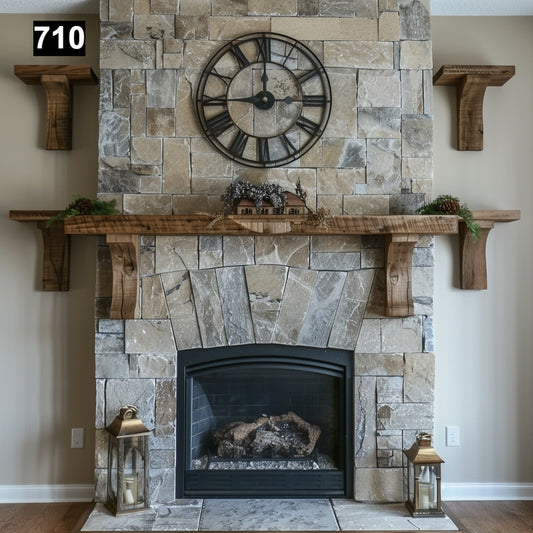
(264,77)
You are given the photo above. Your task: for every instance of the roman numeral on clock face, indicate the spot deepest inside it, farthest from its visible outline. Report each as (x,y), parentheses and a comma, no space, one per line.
(308,125)
(263,151)
(264,49)
(239,143)
(218,124)
(314,100)
(239,55)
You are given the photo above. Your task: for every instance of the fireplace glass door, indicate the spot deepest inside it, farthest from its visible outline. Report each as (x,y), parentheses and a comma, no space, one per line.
(265,420)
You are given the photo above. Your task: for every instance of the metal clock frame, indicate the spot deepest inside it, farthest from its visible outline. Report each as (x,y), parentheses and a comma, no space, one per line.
(217,125)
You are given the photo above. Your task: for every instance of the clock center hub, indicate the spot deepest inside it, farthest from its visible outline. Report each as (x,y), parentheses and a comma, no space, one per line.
(265,100)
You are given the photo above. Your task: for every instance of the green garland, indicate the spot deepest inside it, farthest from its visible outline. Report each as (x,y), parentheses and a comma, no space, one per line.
(445,204)
(85,206)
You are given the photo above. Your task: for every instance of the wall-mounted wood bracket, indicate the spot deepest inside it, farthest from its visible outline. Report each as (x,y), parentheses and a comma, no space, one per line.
(398,268)
(471,82)
(473,253)
(57,81)
(125,257)
(56,257)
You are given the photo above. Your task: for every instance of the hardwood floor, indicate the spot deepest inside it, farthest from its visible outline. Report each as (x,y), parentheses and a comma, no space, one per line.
(470,517)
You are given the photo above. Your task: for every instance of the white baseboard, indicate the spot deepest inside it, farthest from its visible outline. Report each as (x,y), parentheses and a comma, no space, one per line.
(46,493)
(486,491)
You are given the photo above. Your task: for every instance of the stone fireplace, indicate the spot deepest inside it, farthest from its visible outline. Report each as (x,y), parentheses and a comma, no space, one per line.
(324,294)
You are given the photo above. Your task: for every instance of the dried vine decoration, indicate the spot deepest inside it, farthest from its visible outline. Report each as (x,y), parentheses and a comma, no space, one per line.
(318,218)
(446,204)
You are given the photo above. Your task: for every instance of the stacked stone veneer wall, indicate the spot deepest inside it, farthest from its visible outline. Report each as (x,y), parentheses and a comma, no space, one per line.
(375,157)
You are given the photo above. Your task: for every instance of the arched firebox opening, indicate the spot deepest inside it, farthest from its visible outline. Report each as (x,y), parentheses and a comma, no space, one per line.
(265,421)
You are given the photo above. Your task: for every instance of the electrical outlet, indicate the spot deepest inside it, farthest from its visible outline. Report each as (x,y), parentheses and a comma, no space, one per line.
(453,436)
(77,438)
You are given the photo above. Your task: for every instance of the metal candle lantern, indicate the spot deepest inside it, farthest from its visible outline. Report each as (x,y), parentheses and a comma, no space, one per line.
(423,478)
(127,469)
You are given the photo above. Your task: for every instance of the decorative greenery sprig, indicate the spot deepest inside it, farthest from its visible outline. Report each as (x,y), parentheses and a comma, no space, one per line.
(446,204)
(85,206)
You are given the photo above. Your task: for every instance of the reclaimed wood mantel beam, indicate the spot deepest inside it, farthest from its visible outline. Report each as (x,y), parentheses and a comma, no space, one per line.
(471,82)
(401,233)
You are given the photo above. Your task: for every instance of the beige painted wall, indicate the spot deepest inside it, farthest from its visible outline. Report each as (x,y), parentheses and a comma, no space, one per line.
(484,339)
(47,340)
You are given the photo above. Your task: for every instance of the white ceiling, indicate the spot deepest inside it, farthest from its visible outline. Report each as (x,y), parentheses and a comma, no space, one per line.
(438,7)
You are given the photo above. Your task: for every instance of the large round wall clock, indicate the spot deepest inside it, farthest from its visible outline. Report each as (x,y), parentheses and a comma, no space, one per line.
(263,99)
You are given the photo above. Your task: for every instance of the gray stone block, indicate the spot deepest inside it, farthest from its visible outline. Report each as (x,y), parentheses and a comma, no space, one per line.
(365,422)
(149,337)
(138,392)
(208,308)
(322,308)
(415,21)
(235,305)
(109,343)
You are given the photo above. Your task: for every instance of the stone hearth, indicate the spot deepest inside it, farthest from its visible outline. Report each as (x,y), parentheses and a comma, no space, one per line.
(375,157)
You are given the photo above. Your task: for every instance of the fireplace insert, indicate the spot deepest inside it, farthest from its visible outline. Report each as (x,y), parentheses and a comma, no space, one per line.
(265,421)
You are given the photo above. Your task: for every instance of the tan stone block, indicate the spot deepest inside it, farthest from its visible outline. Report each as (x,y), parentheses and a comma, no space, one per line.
(186,120)
(175,253)
(212,185)
(195,7)
(415,55)
(196,53)
(229,7)
(192,27)
(366,204)
(195,203)
(379,88)
(417,167)
(358,29)
(160,122)
(172,60)
(141,7)
(282,250)
(313,158)
(120,10)
(388,5)
(320,28)
(153,26)
(389,26)
(331,203)
(146,151)
(151,184)
(379,485)
(272,7)
(115,54)
(173,46)
(153,298)
(336,180)
(147,204)
(164,6)
(336,243)
(226,28)
(210,165)
(138,115)
(422,186)
(176,166)
(343,119)
(360,54)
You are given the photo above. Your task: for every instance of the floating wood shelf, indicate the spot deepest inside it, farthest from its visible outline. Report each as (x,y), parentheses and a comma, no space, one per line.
(57,81)
(123,236)
(471,82)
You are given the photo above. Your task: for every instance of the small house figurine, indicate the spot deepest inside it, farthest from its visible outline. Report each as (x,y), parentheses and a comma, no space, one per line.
(293,206)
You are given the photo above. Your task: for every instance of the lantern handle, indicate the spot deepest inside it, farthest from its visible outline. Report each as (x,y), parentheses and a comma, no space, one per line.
(128,411)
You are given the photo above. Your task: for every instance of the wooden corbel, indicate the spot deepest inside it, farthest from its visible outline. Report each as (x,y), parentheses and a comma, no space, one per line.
(471,82)
(398,274)
(57,81)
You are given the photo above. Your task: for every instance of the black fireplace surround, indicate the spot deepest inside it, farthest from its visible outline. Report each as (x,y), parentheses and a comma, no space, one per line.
(217,386)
